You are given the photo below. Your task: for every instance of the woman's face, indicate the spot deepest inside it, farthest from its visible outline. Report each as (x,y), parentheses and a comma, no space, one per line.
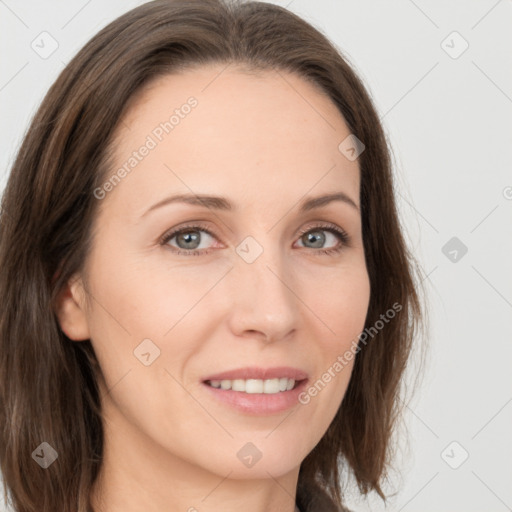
(249,285)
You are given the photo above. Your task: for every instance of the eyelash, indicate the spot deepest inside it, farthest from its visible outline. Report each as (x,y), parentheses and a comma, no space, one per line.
(332,228)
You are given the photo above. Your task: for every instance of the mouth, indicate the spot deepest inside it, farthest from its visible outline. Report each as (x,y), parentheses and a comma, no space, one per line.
(258,380)
(256,386)
(257,390)
(257,397)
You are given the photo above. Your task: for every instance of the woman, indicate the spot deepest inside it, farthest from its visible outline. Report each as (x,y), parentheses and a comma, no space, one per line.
(137,377)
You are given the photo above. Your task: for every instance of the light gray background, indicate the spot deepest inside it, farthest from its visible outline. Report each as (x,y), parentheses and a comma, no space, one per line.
(449,122)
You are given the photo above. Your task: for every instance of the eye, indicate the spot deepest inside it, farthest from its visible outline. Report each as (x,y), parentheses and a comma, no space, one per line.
(316,236)
(189,239)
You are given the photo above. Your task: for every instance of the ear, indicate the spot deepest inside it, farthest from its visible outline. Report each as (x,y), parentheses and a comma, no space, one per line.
(70,310)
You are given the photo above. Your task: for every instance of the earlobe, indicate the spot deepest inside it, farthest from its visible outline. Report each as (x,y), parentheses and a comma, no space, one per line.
(70,310)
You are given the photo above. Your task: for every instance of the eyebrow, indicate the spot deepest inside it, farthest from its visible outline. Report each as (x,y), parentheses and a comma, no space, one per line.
(222,203)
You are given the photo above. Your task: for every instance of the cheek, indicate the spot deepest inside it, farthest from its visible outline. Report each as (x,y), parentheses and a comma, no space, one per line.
(341,303)
(159,308)
(147,315)
(141,299)
(341,308)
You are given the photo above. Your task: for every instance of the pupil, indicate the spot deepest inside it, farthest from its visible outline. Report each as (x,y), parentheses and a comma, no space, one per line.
(187,237)
(319,238)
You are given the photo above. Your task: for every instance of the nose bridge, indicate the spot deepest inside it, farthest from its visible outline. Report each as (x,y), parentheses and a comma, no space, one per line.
(263,298)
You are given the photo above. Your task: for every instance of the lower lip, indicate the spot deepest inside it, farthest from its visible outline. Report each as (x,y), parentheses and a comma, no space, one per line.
(258,403)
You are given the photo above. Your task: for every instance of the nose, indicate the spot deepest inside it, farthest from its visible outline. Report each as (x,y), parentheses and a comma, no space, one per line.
(263,298)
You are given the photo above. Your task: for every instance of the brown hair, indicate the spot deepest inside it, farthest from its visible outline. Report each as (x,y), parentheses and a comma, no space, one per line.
(48,384)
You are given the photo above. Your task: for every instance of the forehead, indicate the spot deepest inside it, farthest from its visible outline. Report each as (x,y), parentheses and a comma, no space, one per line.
(219,127)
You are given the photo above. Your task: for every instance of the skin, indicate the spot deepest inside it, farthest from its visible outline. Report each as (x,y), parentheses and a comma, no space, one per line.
(264,141)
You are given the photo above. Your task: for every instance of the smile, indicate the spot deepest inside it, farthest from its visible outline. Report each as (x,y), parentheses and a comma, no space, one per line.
(268,386)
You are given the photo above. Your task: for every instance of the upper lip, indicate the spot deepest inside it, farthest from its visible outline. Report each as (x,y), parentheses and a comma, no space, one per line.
(255,372)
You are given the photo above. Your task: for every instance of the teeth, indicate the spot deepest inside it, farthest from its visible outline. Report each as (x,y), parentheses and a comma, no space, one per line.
(269,386)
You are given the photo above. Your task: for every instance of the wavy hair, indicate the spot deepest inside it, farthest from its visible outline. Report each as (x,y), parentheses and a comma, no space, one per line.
(48,384)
